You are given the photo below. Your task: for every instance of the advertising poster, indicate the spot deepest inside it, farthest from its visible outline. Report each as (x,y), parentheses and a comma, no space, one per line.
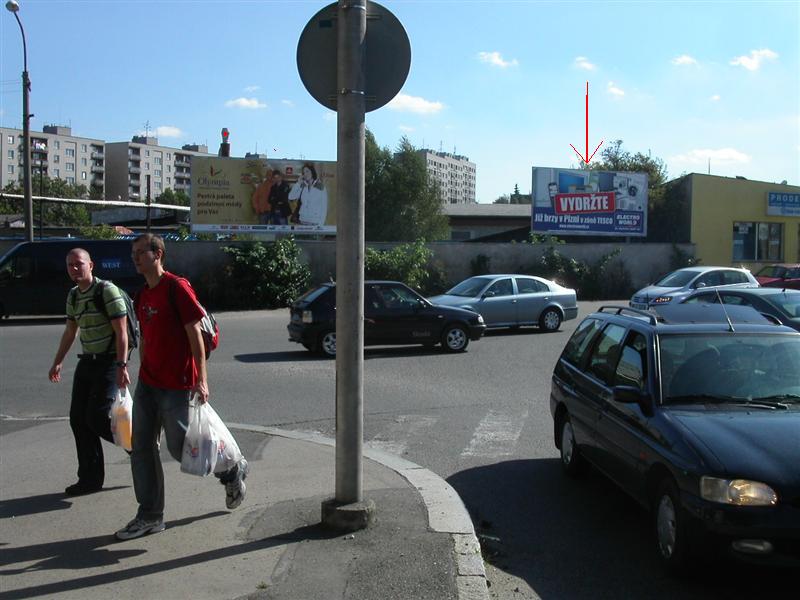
(263,195)
(578,202)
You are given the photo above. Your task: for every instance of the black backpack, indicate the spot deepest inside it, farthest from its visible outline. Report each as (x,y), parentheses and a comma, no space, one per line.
(132,320)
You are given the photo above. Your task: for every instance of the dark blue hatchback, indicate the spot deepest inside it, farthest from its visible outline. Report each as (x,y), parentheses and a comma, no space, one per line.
(695,411)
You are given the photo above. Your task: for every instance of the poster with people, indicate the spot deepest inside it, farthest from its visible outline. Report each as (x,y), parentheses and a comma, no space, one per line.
(581,202)
(263,195)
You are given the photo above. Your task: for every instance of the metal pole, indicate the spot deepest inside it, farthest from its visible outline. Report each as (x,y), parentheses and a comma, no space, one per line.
(147,179)
(41,201)
(352,29)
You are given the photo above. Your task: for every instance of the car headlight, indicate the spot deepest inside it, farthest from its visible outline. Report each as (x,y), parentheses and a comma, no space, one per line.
(308,317)
(480,318)
(738,492)
(662,300)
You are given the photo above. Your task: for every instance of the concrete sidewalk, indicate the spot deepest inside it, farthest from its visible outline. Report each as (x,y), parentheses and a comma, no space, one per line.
(422,545)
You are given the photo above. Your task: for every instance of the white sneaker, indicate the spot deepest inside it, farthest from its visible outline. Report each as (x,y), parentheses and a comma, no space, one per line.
(139,527)
(235,489)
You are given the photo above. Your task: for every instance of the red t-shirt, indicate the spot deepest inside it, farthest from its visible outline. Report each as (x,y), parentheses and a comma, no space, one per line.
(167,361)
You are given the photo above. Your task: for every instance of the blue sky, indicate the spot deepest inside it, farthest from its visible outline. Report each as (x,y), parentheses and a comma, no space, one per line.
(501,82)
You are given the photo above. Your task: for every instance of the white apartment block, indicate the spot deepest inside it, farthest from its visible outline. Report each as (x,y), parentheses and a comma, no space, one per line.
(131,165)
(55,153)
(454,173)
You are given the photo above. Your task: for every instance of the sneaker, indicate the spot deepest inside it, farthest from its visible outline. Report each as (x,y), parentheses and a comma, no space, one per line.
(139,527)
(81,489)
(235,489)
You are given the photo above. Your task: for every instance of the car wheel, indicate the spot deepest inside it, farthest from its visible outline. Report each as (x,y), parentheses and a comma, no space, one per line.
(455,339)
(550,320)
(327,344)
(571,459)
(671,530)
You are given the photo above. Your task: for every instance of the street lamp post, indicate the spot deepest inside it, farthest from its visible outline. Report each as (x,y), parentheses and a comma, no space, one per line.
(13,6)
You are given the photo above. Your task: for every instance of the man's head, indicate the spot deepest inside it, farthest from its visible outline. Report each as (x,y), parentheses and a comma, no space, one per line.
(277,176)
(148,253)
(79,267)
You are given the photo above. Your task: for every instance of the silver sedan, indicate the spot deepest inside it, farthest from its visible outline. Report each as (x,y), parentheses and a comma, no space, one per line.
(513,300)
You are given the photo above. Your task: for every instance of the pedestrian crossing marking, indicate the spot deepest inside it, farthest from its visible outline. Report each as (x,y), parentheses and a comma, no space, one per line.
(396,437)
(496,435)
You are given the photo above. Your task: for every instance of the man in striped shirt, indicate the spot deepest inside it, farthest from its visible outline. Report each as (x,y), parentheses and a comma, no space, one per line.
(102,366)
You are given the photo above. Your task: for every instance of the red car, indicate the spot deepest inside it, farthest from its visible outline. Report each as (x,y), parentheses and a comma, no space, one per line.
(782,276)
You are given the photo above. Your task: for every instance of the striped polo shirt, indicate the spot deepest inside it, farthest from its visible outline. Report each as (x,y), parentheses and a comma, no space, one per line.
(96,331)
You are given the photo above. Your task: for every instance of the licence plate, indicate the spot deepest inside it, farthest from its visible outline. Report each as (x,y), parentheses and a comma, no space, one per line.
(639,305)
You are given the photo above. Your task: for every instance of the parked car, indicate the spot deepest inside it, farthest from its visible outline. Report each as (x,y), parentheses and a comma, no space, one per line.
(394,314)
(513,300)
(694,410)
(782,304)
(679,284)
(782,276)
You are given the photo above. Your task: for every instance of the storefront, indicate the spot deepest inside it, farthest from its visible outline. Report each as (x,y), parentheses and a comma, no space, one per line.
(736,221)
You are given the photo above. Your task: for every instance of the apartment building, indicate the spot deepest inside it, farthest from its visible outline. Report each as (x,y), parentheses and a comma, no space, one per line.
(455,174)
(55,153)
(131,165)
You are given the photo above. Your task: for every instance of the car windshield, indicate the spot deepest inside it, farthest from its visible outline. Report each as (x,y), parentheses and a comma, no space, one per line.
(730,368)
(788,302)
(677,279)
(469,288)
(772,271)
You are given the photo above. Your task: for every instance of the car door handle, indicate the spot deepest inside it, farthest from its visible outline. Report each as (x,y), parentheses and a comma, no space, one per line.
(513,302)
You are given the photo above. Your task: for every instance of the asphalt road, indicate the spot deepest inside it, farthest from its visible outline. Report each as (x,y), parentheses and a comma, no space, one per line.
(479,419)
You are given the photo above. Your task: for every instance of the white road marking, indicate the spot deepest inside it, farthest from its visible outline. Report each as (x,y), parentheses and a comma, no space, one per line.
(396,437)
(496,435)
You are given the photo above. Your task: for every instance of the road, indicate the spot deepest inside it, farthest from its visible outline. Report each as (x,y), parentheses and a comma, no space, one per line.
(479,419)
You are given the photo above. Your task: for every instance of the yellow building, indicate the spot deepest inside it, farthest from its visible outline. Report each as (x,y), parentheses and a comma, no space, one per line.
(738,222)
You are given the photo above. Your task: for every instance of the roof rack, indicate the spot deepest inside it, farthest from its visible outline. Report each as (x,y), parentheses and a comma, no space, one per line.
(619,310)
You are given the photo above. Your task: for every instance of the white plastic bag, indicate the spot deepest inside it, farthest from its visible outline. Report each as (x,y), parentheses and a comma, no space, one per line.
(228,453)
(121,415)
(201,444)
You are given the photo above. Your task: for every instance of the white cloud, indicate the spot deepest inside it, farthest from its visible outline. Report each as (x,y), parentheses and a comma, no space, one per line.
(405,128)
(252,88)
(250,103)
(715,98)
(496,60)
(722,156)
(581,62)
(415,104)
(288,103)
(164,131)
(329,116)
(753,62)
(683,60)
(614,90)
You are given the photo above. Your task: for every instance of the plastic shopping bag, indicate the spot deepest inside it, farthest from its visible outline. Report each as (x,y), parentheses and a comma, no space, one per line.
(228,453)
(201,444)
(121,415)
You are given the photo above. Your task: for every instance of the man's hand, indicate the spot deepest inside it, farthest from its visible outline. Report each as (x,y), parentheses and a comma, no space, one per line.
(200,391)
(123,378)
(55,373)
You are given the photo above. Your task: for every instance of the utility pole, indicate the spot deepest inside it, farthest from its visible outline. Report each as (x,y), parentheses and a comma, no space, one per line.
(147,179)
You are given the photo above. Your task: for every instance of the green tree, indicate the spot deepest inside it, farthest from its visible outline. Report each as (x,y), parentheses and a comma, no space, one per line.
(615,158)
(504,199)
(401,201)
(170,196)
(54,213)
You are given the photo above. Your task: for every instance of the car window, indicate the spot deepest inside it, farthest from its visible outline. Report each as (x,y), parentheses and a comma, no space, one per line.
(530,286)
(737,300)
(790,303)
(501,288)
(632,367)
(709,279)
(372,300)
(677,279)
(731,277)
(469,288)
(772,271)
(313,294)
(604,355)
(702,299)
(580,340)
(793,273)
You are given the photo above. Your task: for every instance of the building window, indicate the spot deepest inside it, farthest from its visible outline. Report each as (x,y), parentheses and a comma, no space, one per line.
(11,154)
(169,180)
(56,158)
(70,151)
(70,166)
(157,160)
(147,152)
(57,145)
(56,172)
(83,162)
(147,166)
(169,169)
(70,180)
(157,172)
(11,139)
(757,241)
(158,185)
(83,174)
(11,169)
(169,156)
(83,147)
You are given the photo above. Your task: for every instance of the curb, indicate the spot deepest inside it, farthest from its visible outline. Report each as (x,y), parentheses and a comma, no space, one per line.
(446,511)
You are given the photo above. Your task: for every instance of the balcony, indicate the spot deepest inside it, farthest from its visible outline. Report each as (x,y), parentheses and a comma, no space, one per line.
(98,169)
(182,163)
(98,155)
(41,164)
(133,195)
(181,186)
(134,170)
(134,157)
(183,175)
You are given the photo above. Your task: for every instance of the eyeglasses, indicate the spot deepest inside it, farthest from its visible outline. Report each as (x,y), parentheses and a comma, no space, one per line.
(137,253)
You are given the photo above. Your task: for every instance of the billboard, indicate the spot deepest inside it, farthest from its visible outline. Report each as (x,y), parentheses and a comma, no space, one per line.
(263,195)
(783,205)
(578,202)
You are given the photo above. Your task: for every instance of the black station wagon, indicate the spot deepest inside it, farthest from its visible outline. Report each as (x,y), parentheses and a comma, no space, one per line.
(694,410)
(394,314)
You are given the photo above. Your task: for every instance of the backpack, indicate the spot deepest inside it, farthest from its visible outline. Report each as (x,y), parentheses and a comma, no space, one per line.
(208,324)
(100,305)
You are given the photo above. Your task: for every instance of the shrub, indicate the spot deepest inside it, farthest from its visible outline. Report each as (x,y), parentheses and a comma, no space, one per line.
(267,276)
(678,259)
(602,279)
(410,263)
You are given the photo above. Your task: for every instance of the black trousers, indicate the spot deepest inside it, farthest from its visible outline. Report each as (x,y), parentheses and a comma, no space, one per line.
(93,392)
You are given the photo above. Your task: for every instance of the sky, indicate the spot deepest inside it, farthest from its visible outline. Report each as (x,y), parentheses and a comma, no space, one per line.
(701,85)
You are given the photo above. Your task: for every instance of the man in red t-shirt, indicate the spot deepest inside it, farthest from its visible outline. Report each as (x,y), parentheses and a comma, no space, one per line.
(172,371)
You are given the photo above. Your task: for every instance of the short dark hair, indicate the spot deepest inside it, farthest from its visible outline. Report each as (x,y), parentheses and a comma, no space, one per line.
(156,242)
(277,172)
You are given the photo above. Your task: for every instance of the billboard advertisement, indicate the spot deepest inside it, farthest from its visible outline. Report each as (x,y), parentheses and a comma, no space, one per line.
(783,205)
(579,202)
(263,195)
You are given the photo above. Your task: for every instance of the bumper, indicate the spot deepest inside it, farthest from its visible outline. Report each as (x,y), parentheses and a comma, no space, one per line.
(476,331)
(761,535)
(301,333)
(570,313)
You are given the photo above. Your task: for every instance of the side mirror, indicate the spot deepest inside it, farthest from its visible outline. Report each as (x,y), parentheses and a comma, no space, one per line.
(628,394)
(487,295)
(700,285)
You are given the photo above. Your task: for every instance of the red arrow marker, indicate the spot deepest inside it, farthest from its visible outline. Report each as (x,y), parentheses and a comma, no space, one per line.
(587,158)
